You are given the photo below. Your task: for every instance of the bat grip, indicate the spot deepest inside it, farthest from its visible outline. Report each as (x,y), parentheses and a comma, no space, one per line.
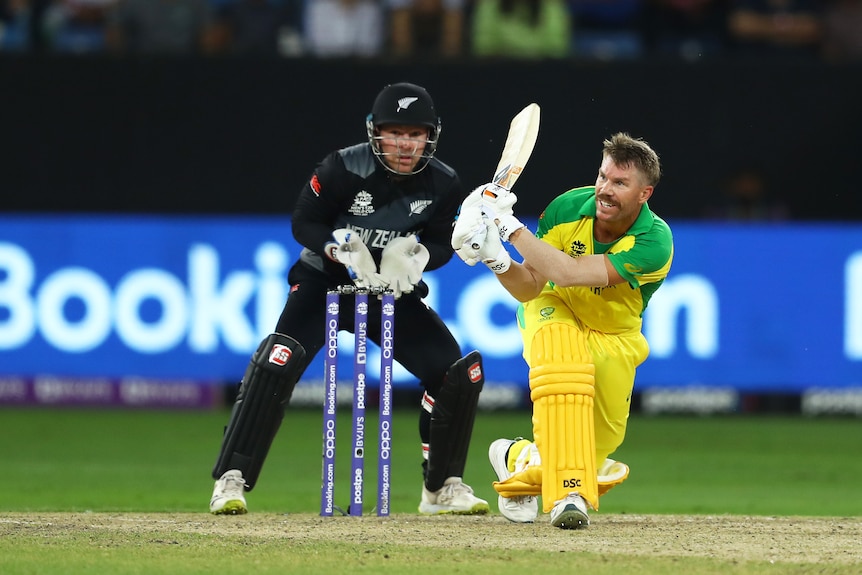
(478,238)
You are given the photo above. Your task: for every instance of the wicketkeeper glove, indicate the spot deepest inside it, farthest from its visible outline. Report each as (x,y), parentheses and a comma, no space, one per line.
(402,263)
(349,249)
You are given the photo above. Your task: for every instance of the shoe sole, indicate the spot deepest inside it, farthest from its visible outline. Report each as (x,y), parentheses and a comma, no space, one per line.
(478,509)
(501,505)
(571,518)
(231,508)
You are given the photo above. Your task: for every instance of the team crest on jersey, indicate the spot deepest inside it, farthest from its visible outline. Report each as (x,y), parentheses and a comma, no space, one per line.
(418,206)
(362,204)
(578,248)
(547,312)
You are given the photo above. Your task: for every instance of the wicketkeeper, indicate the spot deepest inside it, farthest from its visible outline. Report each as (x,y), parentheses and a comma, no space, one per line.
(587,275)
(377,214)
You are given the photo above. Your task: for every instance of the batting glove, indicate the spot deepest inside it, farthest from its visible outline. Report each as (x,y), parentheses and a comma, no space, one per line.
(469,234)
(508,225)
(497,201)
(492,252)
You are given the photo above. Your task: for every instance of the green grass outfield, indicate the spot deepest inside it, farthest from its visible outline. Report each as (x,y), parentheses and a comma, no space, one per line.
(118,464)
(128,460)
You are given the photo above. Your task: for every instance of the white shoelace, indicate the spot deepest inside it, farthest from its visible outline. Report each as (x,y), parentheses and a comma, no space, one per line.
(233,487)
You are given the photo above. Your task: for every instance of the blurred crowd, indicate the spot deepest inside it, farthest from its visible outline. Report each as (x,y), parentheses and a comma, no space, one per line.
(829,30)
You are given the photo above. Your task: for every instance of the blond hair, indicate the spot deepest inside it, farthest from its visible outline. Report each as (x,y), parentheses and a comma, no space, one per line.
(627,151)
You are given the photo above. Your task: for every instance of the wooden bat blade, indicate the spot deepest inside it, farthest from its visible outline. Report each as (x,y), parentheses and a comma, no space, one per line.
(523,131)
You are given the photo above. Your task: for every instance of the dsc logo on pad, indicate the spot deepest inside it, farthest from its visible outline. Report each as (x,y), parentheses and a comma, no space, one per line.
(474,372)
(280,354)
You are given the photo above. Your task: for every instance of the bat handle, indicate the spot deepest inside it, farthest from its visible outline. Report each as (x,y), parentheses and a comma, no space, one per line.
(478,239)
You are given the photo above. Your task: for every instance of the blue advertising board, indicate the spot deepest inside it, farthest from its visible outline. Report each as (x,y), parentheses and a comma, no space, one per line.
(760,308)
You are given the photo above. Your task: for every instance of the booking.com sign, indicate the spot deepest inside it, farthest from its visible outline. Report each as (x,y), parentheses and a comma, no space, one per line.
(192,298)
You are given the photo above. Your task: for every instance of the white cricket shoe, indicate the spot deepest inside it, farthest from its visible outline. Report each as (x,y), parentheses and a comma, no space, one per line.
(454,498)
(517,509)
(228,497)
(570,513)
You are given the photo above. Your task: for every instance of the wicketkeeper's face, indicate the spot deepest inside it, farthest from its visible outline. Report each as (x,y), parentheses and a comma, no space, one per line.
(402,146)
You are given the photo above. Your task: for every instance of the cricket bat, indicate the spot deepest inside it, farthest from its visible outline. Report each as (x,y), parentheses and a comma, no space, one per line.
(523,131)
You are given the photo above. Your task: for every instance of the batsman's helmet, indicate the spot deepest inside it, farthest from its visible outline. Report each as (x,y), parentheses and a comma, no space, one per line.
(407,104)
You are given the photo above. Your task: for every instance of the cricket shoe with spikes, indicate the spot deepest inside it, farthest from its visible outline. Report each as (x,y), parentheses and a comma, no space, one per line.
(228,494)
(570,513)
(454,498)
(509,456)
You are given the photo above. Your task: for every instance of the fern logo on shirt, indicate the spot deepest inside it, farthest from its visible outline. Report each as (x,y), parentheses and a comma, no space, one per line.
(418,206)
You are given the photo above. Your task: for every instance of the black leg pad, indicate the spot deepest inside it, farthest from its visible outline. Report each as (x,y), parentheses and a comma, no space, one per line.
(265,391)
(452,420)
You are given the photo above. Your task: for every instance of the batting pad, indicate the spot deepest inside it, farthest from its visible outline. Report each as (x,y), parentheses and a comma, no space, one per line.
(562,388)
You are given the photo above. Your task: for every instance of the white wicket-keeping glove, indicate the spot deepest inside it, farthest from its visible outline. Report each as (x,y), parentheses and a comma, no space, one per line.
(492,252)
(469,230)
(497,204)
(349,249)
(402,263)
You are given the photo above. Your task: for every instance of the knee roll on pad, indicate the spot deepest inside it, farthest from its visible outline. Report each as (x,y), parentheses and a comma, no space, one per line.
(562,388)
(266,388)
(452,420)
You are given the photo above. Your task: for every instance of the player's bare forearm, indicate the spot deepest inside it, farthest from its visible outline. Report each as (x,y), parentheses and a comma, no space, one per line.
(521,282)
(558,266)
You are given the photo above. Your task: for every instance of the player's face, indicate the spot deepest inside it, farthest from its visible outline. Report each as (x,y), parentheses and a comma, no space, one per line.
(620,193)
(402,146)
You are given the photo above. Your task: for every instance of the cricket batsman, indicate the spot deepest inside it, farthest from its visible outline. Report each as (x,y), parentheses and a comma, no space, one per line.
(586,278)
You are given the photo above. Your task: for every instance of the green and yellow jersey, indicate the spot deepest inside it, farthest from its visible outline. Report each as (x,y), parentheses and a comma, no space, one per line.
(642,257)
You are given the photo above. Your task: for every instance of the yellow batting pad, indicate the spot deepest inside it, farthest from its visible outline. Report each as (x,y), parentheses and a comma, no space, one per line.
(527,482)
(523,456)
(562,384)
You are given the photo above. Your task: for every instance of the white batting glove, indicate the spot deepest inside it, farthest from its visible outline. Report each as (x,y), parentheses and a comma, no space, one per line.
(469,230)
(468,254)
(402,263)
(497,201)
(497,204)
(508,224)
(492,252)
(349,249)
